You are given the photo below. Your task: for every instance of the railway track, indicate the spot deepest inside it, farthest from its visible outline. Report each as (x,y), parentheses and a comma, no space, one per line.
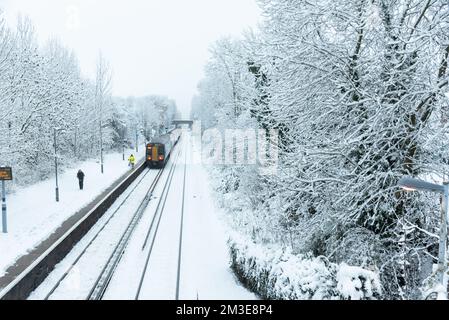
(107,222)
(154,227)
(102,282)
(153,231)
(45,261)
(88,250)
(106,274)
(181,231)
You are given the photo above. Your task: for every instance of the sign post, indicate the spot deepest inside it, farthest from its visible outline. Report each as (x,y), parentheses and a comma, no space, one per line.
(5,175)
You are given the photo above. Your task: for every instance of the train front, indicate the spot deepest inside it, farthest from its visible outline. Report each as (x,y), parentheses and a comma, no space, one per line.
(155,155)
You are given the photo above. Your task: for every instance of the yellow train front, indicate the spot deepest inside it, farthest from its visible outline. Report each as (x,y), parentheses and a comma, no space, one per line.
(159,150)
(156,156)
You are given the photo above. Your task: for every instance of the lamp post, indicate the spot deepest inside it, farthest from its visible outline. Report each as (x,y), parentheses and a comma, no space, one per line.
(101,147)
(123,149)
(137,141)
(410,184)
(9,135)
(123,142)
(55,131)
(76,141)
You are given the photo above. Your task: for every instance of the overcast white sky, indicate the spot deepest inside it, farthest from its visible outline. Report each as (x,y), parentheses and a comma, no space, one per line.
(154,46)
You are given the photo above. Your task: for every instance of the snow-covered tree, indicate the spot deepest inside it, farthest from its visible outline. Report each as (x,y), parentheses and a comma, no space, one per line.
(357,90)
(42,89)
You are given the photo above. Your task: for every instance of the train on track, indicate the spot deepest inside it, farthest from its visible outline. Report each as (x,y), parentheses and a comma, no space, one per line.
(159,149)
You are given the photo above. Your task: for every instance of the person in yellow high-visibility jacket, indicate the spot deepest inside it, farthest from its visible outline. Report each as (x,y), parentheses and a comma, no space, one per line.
(132,161)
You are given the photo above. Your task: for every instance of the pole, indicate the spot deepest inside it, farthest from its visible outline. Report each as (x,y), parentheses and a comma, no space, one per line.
(123,148)
(101,147)
(446,216)
(76,140)
(56,169)
(4,217)
(9,135)
(442,250)
(442,263)
(137,141)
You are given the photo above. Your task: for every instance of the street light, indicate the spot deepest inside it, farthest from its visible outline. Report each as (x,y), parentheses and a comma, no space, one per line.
(101,147)
(9,134)
(76,141)
(410,184)
(56,163)
(137,141)
(123,141)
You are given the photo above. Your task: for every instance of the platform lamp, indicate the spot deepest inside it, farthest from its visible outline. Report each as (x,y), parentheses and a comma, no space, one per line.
(411,184)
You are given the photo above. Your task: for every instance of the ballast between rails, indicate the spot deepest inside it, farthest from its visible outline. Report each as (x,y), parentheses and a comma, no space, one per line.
(35,274)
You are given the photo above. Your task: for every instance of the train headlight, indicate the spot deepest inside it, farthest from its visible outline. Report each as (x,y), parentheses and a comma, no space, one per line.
(161,158)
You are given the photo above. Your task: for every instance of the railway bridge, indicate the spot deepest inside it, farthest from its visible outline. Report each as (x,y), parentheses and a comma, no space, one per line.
(180,122)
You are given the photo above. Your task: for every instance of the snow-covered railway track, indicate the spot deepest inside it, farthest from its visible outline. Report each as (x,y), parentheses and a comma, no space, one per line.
(101,287)
(87,271)
(181,230)
(169,240)
(106,274)
(43,265)
(162,258)
(89,244)
(154,226)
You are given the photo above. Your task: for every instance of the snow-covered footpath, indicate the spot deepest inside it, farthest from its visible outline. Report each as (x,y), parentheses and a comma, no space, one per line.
(33,213)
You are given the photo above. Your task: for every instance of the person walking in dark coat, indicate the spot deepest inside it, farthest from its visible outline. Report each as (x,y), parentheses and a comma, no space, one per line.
(80,177)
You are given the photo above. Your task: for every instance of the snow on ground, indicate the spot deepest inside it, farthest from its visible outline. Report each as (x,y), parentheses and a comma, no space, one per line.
(205,271)
(81,278)
(160,278)
(355,283)
(125,282)
(33,213)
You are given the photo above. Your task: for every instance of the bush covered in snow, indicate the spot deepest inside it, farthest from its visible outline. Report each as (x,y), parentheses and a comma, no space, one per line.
(355,283)
(275,273)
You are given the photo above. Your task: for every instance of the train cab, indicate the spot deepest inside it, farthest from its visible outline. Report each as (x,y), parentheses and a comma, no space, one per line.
(159,150)
(156,154)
